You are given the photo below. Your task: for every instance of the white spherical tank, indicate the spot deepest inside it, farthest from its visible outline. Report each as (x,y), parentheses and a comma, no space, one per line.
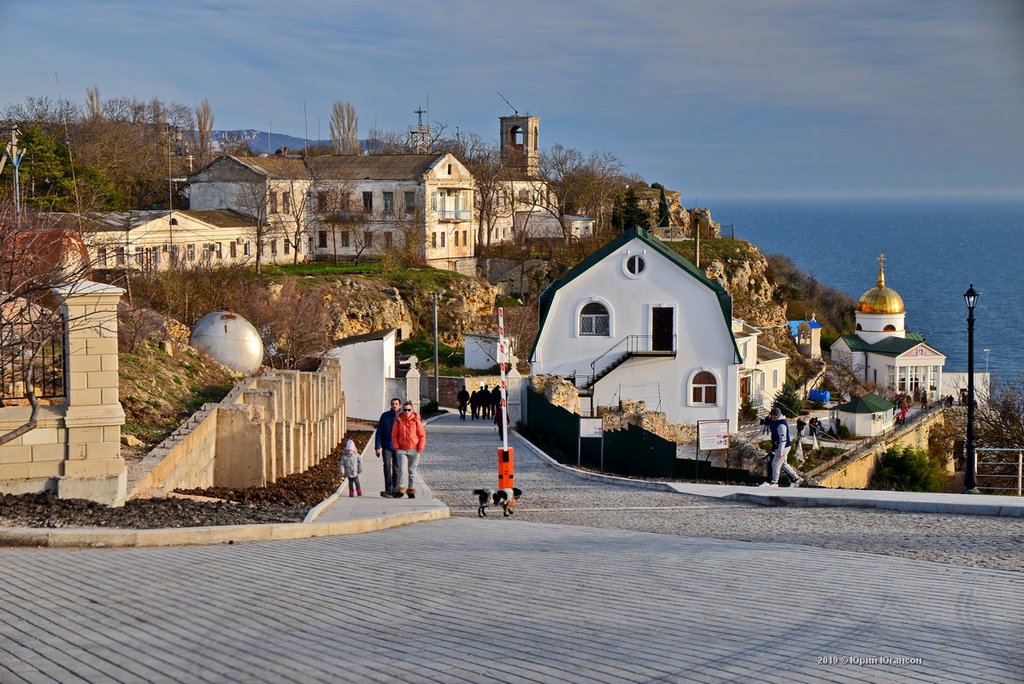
(230,339)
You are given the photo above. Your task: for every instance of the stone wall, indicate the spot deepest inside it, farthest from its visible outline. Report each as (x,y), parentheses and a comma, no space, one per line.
(854,471)
(268,427)
(75,449)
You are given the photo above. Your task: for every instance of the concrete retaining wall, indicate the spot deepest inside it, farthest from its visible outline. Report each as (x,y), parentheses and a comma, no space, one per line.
(266,428)
(855,471)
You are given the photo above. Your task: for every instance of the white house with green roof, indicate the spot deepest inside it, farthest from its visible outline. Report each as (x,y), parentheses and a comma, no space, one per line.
(635,320)
(882,352)
(866,416)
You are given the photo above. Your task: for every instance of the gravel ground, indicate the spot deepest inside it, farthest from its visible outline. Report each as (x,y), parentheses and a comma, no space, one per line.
(457,463)
(288,500)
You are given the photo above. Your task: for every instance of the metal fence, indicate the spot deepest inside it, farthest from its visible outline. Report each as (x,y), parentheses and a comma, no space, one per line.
(632,452)
(1000,470)
(23,357)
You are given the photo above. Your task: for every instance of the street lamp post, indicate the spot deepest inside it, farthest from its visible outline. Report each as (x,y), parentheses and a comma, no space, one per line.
(437,386)
(971,465)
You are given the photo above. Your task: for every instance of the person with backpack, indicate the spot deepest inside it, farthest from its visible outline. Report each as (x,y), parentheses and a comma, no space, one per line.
(781,444)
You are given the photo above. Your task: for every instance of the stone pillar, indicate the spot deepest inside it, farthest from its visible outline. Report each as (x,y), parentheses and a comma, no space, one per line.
(93,468)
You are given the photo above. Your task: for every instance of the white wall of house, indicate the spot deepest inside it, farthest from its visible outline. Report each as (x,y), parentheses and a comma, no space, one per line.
(365,366)
(703,339)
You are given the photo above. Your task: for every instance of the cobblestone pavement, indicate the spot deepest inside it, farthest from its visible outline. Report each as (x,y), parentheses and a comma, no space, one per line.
(510,600)
(463,457)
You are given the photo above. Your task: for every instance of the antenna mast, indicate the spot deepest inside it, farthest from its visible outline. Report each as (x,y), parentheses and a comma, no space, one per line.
(514,110)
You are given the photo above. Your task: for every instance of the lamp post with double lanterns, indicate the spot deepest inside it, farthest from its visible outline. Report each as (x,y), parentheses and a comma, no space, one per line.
(971,464)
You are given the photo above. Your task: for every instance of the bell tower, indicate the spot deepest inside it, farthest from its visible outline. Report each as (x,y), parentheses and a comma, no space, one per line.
(519,143)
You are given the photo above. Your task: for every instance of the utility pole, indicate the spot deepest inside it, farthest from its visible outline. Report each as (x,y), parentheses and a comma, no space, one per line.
(15,154)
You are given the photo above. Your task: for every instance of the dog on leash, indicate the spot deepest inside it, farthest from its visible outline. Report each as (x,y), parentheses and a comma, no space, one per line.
(506,498)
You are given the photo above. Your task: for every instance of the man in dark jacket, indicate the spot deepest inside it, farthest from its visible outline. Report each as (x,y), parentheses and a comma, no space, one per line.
(781,443)
(474,404)
(383,445)
(463,399)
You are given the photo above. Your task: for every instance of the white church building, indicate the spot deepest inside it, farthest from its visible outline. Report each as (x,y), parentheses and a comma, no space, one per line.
(882,352)
(635,320)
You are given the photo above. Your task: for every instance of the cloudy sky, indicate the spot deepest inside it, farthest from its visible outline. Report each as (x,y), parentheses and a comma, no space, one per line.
(715,98)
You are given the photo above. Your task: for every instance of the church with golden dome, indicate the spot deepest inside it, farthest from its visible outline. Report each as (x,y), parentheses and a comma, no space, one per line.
(883,352)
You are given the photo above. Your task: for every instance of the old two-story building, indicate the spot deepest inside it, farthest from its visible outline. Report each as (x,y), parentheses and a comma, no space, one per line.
(154,240)
(635,320)
(348,206)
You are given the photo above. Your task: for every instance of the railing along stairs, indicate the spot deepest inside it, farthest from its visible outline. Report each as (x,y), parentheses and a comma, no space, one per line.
(618,354)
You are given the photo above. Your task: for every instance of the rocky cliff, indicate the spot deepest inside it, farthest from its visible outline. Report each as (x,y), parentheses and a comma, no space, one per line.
(360,305)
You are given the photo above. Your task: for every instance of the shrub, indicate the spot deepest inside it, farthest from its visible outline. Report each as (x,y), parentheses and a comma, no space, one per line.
(788,400)
(747,410)
(909,470)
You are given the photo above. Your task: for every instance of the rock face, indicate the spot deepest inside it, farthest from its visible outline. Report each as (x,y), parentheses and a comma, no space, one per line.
(362,305)
(745,274)
(557,390)
(636,413)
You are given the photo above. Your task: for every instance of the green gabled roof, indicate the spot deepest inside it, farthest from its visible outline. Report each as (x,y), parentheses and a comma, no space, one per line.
(546,297)
(869,403)
(890,346)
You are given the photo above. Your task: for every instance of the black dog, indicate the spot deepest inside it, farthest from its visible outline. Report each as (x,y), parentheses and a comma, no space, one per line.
(505,498)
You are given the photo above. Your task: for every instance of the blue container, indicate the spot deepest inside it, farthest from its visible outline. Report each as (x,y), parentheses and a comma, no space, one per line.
(820,395)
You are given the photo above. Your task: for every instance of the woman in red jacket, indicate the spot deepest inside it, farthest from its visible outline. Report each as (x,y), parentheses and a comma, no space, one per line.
(409,439)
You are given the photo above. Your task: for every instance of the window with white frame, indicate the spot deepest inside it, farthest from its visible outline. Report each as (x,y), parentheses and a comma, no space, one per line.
(704,389)
(594,320)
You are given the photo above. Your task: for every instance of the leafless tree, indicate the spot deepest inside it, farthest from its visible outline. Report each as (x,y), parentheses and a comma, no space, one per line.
(296,326)
(34,259)
(344,128)
(204,127)
(253,200)
(575,183)
(408,142)
(93,103)
(298,215)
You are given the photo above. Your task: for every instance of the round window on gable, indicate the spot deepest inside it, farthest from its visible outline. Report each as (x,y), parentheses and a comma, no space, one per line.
(635,265)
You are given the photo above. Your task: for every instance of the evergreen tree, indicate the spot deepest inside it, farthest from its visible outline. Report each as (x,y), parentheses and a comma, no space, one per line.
(663,218)
(633,215)
(788,401)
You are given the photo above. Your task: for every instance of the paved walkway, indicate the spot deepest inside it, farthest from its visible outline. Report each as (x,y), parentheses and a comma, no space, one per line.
(467,599)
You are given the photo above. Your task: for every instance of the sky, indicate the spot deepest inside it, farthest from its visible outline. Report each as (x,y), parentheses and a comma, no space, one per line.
(713,98)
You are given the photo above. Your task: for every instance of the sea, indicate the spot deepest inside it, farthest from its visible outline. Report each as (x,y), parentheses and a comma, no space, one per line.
(934,250)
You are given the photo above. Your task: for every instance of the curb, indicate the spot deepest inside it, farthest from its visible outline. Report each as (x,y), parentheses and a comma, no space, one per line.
(796,499)
(951,507)
(92,537)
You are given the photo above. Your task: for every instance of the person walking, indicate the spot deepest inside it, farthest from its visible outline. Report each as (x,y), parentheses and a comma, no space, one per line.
(781,444)
(351,466)
(409,439)
(485,402)
(384,447)
(474,404)
(463,399)
(495,399)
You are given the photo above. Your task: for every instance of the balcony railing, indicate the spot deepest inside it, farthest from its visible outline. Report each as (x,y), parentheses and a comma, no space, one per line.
(455,215)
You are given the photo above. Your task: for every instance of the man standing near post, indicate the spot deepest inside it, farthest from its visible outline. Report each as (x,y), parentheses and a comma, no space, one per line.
(409,439)
(384,446)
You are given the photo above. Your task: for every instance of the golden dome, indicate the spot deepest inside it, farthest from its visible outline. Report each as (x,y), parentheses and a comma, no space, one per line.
(880,299)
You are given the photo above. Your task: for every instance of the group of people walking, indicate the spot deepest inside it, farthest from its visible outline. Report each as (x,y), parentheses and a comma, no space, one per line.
(482,403)
(400,442)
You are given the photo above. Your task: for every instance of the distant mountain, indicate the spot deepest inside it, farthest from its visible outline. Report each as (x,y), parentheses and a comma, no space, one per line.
(259,141)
